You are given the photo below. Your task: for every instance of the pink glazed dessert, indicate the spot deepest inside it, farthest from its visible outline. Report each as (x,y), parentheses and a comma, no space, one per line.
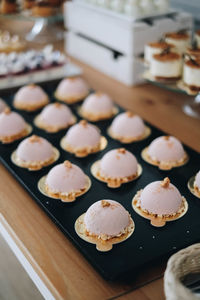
(161,198)
(30,98)
(72,90)
(106,219)
(35,152)
(66,180)
(54,117)
(166,151)
(82,138)
(12,126)
(97,106)
(3,105)
(127,127)
(118,163)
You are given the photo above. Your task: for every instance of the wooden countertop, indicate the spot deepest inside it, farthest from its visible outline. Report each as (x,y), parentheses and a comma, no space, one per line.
(62,268)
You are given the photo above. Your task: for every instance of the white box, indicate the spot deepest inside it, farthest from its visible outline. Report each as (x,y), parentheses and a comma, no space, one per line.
(126,69)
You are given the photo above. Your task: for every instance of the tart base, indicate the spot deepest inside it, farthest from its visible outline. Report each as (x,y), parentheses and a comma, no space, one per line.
(30,107)
(128,140)
(12,138)
(71,99)
(100,117)
(86,151)
(189,89)
(52,129)
(101,245)
(113,182)
(147,75)
(193,189)
(156,220)
(64,197)
(165,166)
(35,166)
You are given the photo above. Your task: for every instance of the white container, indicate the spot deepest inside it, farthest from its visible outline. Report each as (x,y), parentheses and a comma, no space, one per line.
(126,69)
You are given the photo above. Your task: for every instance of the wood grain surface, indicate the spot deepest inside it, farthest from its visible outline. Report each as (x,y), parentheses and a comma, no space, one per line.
(63,269)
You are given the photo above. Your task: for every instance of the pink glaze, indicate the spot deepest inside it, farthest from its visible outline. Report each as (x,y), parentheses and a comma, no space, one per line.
(160,200)
(98,104)
(30,94)
(127,126)
(81,136)
(11,124)
(72,87)
(56,114)
(197,180)
(118,165)
(34,151)
(166,149)
(109,220)
(2,105)
(66,180)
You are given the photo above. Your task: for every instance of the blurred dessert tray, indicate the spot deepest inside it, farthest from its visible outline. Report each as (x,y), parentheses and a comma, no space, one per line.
(50,74)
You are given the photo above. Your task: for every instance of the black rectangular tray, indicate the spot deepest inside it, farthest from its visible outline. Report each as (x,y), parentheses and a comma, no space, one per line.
(148,243)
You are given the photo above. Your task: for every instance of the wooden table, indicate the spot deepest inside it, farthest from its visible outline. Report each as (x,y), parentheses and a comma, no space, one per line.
(61,267)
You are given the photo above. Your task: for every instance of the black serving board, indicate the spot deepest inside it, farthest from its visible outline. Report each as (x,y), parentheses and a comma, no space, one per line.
(148,243)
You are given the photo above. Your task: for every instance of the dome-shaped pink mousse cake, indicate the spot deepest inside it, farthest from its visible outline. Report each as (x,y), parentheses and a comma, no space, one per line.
(197,181)
(30,97)
(98,104)
(74,88)
(83,135)
(166,149)
(161,197)
(2,105)
(56,115)
(34,149)
(106,217)
(127,125)
(11,123)
(118,163)
(66,178)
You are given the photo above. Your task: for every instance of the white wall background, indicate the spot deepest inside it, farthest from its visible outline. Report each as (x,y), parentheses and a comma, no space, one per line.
(192,6)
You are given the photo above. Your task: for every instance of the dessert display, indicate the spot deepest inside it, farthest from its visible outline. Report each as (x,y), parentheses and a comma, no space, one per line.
(128,127)
(3,105)
(10,43)
(22,63)
(165,152)
(160,201)
(166,66)
(83,139)
(106,222)
(42,8)
(12,126)
(156,48)
(194,185)
(72,90)
(180,39)
(191,72)
(30,97)
(97,106)
(65,181)
(116,167)
(55,117)
(8,6)
(34,153)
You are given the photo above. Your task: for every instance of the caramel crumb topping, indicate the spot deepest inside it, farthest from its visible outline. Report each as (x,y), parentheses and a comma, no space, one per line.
(130,114)
(165,183)
(7,111)
(161,45)
(105,203)
(83,123)
(166,138)
(121,150)
(57,105)
(34,139)
(67,164)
